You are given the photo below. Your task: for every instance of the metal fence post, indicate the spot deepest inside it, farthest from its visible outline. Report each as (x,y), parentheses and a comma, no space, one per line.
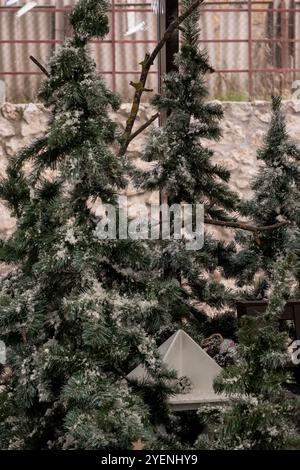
(284,36)
(113,44)
(250,59)
(169,9)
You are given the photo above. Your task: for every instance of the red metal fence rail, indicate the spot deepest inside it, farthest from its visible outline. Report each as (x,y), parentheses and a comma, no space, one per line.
(250,7)
(10,43)
(252,61)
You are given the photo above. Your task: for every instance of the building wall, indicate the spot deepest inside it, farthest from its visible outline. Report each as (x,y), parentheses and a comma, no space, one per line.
(243,127)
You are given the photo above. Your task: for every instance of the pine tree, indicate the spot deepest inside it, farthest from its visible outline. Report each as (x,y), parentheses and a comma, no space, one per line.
(77,312)
(276,199)
(260,415)
(183,169)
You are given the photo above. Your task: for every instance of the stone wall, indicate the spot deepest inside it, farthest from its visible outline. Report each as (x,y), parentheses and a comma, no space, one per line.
(243,129)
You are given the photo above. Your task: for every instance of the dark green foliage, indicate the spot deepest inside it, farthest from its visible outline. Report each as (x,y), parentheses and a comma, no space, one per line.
(260,415)
(276,199)
(78,312)
(184,167)
(185,172)
(89,19)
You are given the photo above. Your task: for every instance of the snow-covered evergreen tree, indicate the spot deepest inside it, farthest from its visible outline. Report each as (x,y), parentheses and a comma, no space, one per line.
(260,415)
(184,170)
(77,313)
(276,200)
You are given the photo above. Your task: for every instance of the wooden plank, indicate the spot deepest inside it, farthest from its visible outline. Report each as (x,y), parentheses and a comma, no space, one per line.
(254,307)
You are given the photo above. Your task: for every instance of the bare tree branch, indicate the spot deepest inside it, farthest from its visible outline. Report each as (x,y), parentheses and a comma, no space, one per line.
(146,65)
(40,66)
(240,225)
(143,127)
(244,225)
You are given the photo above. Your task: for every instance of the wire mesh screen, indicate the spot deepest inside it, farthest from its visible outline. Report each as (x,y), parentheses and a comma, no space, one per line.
(34,34)
(254,46)
(133,31)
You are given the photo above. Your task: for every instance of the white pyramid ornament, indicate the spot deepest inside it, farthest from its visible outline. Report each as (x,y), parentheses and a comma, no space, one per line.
(182,354)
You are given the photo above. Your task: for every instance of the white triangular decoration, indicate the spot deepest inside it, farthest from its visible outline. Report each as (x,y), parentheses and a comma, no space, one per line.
(182,354)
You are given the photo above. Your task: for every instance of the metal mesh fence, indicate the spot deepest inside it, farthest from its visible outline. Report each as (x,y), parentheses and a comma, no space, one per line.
(254,46)
(41,30)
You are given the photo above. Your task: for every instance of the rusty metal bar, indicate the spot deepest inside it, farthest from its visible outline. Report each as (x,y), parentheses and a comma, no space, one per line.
(264,40)
(136,72)
(146,41)
(64,9)
(106,72)
(250,63)
(264,70)
(113,44)
(60,41)
(144,10)
(245,10)
(284,46)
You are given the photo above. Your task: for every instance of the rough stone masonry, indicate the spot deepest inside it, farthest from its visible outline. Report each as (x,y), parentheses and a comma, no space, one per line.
(243,128)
